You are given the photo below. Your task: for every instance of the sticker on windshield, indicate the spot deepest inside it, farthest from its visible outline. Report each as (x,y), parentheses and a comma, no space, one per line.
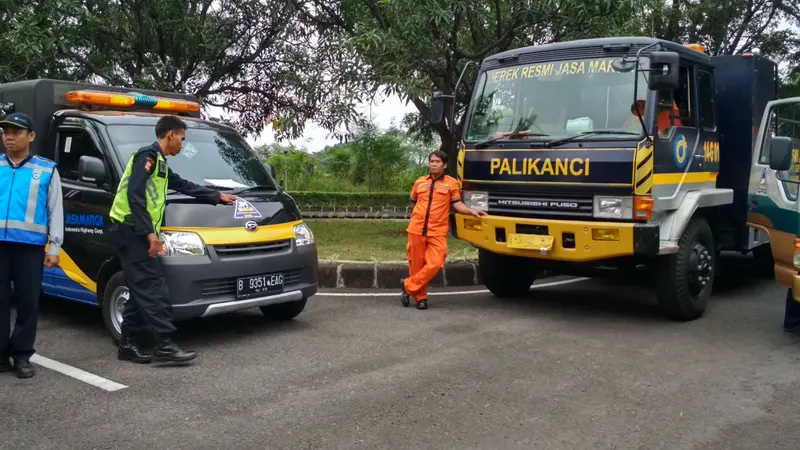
(761,189)
(244,210)
(189,150)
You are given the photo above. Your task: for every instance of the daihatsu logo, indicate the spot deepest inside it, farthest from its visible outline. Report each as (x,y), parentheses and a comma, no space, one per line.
(250,225)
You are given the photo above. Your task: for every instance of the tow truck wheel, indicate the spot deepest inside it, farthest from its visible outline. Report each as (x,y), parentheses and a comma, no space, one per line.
(114,298)
(283,311)
(504,275)
(684,280)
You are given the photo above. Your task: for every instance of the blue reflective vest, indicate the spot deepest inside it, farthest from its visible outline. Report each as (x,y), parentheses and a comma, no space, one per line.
(23,200)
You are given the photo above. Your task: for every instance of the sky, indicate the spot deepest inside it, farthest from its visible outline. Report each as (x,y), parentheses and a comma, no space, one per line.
(385,109)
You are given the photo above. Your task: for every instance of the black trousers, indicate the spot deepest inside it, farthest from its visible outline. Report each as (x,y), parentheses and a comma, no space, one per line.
(24,265)
(148,309)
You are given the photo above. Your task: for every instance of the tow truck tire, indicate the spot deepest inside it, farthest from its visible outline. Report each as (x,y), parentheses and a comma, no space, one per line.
(679,277)
(283,311)
(504,275)
(113,294)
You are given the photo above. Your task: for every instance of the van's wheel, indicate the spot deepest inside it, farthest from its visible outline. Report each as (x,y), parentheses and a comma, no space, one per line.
(283,311)
(764,261)
(115,296)
(504,275)
(684,280)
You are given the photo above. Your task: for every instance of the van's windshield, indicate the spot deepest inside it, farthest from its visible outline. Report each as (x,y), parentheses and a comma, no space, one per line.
(212,158)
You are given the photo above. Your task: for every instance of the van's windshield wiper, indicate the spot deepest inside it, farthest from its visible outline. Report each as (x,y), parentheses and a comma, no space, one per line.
(258,187)
(512,135)
(588,133)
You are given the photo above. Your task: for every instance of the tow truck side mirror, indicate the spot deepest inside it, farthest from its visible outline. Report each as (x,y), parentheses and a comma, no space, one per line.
(780,153)
(664,71)
(92,170)
(437,107)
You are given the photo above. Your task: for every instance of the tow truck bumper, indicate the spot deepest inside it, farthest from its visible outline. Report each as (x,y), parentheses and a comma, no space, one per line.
(574,241)
(206,286)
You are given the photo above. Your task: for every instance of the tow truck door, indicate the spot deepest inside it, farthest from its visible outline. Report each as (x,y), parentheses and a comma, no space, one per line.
(774,205)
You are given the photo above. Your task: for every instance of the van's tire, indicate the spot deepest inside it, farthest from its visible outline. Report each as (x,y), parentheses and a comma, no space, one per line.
(504,275)
(115,295)
(284,311)
(680,291)
(763,261)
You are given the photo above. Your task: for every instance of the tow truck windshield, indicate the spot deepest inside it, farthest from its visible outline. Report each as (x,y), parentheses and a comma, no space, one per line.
(212,158)
(556,100)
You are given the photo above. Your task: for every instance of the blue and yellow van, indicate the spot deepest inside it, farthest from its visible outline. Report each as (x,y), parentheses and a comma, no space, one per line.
(218,259)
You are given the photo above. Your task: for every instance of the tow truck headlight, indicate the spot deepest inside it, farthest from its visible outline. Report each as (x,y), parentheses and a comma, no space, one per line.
(477,200)
(182,243)
(613,207)
(303,234)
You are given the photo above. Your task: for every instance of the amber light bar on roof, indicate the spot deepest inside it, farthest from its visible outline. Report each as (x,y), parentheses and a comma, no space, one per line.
(133,99)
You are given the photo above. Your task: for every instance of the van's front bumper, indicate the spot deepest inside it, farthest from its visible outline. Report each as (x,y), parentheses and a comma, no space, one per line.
(576,241)
(201,286)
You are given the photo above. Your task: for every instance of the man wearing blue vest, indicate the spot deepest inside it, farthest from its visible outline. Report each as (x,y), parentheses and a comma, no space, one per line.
(31,215)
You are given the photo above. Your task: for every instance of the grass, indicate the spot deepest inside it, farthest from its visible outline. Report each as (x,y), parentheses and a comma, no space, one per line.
(372,240)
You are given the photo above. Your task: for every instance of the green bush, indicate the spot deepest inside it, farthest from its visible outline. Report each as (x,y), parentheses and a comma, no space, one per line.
(350,199)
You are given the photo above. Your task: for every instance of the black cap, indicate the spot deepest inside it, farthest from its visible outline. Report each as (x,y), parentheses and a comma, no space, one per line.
(20,120)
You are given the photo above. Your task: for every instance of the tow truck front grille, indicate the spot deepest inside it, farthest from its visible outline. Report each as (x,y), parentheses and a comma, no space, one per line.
(551,206)
(227,286)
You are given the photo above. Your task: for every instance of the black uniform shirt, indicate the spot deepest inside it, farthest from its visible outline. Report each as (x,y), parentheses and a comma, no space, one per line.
(144,163)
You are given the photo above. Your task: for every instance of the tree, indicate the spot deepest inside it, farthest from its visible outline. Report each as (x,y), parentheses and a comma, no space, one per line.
(256,58)
(415,47)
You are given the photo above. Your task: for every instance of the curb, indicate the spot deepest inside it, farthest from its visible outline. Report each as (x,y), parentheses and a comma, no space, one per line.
(387,275)
(354,215)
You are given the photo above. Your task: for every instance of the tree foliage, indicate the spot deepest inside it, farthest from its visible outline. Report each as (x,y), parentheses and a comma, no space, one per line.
(257,59)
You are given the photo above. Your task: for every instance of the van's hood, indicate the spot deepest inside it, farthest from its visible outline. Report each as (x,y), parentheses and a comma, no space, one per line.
(262,208)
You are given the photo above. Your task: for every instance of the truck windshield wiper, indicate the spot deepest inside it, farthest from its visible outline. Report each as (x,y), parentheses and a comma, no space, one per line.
(512,135)
(588,133)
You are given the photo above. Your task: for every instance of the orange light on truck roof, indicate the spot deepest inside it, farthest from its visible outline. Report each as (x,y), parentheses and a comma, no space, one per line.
(132,99)
(696,47)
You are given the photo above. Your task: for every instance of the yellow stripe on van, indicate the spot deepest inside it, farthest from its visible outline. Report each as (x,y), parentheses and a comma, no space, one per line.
(74,272)
(239,235)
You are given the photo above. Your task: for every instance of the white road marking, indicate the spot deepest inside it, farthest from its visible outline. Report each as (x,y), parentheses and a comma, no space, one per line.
(78,374)
(478,291)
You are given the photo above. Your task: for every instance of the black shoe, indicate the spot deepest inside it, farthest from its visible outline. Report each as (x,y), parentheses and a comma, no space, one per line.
(129,350)
(422,304)
(24,368)
(405,299)
(5,365)
(168,351)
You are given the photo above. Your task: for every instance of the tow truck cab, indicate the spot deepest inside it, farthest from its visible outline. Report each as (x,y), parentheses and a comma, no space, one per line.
(217,258)
(601,156)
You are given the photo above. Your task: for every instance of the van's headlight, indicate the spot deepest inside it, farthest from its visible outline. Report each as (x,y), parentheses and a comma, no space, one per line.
(303,234)
(613,207)
(182,243)
(477,200)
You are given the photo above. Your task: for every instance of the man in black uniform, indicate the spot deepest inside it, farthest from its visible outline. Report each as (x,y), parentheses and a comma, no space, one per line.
(137,214)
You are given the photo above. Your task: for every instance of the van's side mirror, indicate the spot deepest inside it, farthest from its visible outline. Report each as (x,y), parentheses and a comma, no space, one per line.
(780,153)
(272,171)
(437,107)
(92,170)
(664,68)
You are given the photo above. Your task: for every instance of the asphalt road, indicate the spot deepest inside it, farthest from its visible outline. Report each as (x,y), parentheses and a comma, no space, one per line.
(588,365)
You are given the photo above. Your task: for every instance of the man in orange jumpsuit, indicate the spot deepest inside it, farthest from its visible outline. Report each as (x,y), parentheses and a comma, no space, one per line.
(432,195)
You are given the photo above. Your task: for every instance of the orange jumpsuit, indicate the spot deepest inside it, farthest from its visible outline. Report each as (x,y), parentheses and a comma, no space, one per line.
(427,231)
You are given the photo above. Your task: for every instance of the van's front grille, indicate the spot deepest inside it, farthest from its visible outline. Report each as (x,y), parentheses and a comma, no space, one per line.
(256,249)
(227,286)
